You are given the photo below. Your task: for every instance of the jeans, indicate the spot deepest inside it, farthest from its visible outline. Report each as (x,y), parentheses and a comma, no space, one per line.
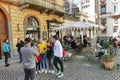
(43,61)
(29,74)
(115,50)
(50,63)
(6,54)
(56,62)
(20,56)
(100,54)
(38,65)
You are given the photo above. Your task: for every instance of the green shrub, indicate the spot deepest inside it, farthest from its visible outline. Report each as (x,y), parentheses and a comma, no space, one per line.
(107,44)
(66,48)
(119,43)
(108,58)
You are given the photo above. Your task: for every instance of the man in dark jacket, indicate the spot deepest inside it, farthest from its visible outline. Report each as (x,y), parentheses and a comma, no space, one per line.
(84,41)
(19,45)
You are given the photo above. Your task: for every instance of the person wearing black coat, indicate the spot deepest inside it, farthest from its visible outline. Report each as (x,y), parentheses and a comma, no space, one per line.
(85,42)
(19,45)
(73,44)
(50,54)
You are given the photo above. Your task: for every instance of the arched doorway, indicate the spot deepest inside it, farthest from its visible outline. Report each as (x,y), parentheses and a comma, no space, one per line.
(32,28)
(3,30)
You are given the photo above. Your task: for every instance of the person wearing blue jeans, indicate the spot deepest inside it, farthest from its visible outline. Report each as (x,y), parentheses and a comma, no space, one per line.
(100,53)
(43,62)
(19,45)
(42,48)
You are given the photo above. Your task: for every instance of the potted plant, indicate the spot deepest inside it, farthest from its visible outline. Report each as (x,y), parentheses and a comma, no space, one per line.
(108,59)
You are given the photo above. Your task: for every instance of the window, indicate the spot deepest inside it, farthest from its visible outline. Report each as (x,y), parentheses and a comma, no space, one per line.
(67,7)
(52,0)
(115,29)
(104,30)
(103,9)
(85,1)
(103,21)
(115,7)
(115,20)
(32,28)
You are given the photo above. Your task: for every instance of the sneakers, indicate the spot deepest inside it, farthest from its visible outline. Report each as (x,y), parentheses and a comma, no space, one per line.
(61,75)
(7,65)
(58,73)
(52,71)
(35,72)
(39,71)
(49,71)
(45,70)
(42,70)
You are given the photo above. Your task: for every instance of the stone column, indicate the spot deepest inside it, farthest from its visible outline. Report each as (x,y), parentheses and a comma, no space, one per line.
(10,37)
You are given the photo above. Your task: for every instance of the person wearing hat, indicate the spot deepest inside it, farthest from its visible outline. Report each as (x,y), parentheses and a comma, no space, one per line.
(28,56)
(58,56)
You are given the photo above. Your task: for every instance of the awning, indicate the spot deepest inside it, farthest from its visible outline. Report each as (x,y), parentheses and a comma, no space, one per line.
(79,25)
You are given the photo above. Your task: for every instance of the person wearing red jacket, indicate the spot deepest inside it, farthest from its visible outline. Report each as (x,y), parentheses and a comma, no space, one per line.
(38,59)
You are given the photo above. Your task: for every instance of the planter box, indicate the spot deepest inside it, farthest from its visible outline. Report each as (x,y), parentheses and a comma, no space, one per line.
(108,64)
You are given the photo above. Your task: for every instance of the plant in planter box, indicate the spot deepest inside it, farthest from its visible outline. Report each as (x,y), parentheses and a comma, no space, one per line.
(108,60)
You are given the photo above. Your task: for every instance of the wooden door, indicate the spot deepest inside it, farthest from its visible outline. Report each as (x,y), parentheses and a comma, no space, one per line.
(3,30)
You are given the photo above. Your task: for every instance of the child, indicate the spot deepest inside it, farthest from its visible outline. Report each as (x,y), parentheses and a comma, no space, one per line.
(50,56)
(38,59)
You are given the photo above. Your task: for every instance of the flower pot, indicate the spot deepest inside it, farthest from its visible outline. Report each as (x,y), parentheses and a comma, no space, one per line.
(108,64)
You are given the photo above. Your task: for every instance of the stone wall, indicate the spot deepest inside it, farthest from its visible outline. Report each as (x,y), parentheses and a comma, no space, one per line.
(18,17)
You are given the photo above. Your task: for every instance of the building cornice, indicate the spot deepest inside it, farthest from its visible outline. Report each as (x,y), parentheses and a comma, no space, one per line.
(69,17)
(15,3)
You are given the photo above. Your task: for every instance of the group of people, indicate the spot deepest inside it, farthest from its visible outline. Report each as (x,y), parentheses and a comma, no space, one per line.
(36,55)
(101,47)
(75,42)
(68,39)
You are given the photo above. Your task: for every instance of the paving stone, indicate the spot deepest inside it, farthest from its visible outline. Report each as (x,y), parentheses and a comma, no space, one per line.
(77,69)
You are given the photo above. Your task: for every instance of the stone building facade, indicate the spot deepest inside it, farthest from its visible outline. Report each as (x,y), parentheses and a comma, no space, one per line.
(29,18)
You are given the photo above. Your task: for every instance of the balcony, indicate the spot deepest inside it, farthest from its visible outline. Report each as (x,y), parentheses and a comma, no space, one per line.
(105,15)
(43,6)
(115,15)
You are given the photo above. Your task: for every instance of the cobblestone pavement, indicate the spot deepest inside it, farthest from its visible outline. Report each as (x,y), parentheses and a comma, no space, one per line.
(77,69)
